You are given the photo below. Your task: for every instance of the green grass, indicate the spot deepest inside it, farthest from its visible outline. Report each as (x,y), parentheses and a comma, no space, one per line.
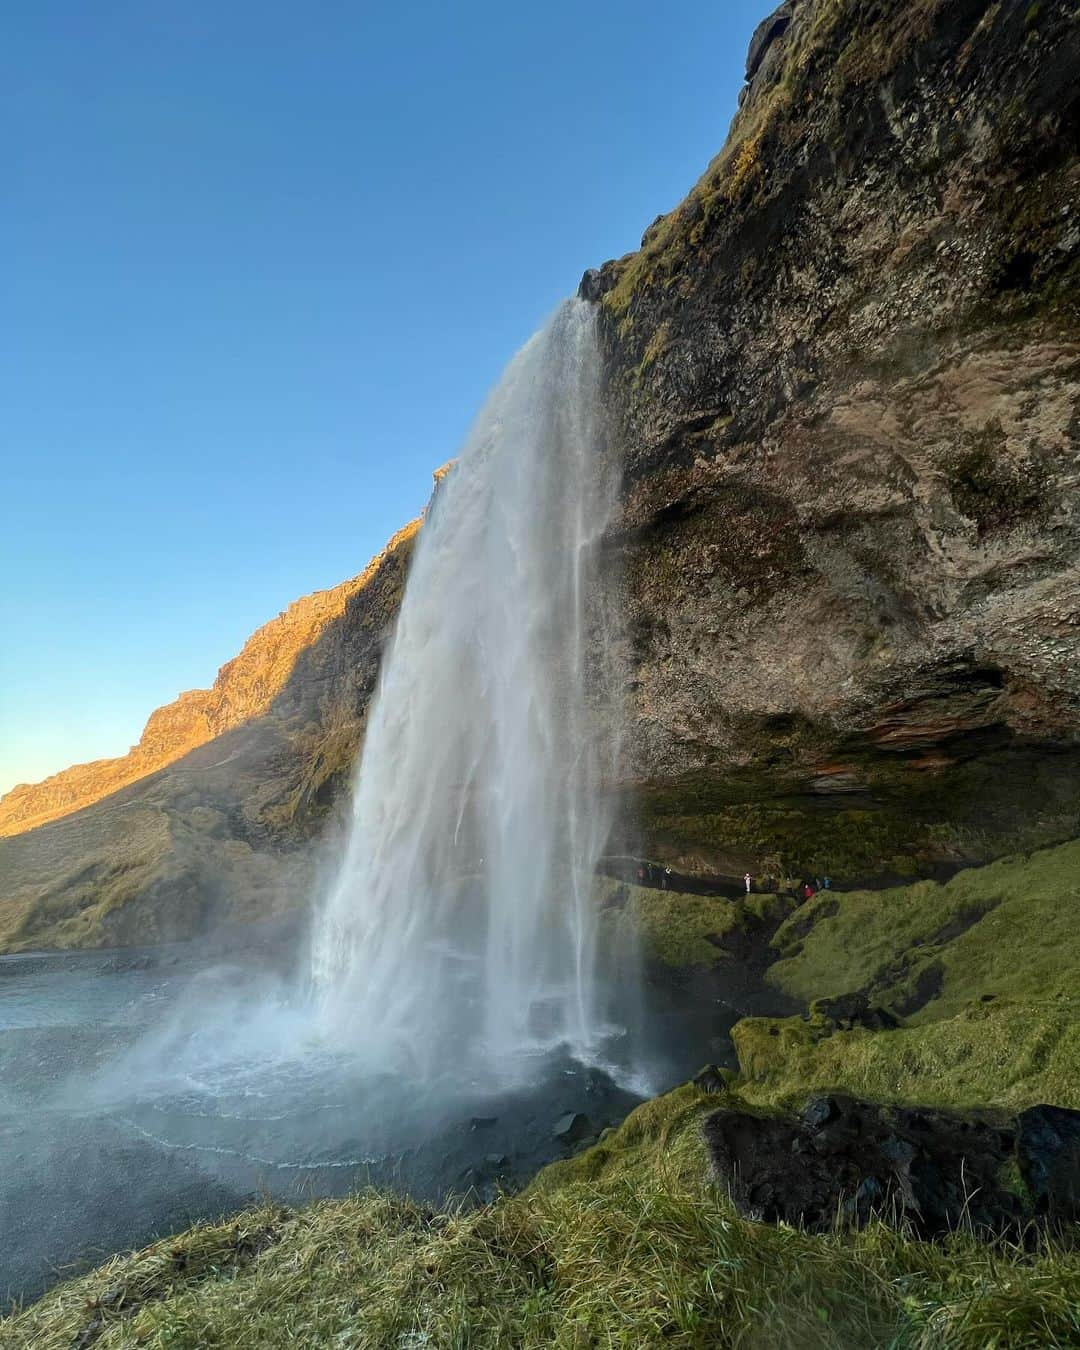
(675,928)
(1003,1054)
(1007,930)
(983,971)
(628,1245)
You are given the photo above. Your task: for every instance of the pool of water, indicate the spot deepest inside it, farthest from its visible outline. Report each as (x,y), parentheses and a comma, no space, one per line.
(137,1096)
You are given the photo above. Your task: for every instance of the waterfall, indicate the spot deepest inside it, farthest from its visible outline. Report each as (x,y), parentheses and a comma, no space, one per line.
(464,915)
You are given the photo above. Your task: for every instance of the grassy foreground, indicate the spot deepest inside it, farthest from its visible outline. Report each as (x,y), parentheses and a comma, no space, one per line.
(627,1245)
(631,1244)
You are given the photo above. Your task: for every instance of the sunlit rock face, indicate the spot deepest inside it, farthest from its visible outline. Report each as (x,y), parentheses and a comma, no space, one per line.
(245,687)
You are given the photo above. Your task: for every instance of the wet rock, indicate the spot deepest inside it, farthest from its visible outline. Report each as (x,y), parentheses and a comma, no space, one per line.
(597,281)
(572,1128)
(1049,1142)
(589,289)
(818,1112)
(936,1170)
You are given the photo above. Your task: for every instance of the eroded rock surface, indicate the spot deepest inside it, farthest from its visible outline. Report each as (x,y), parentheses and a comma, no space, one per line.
(845,374)
(937,1170)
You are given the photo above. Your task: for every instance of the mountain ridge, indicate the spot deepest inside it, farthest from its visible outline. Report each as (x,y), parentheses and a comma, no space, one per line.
(244,687)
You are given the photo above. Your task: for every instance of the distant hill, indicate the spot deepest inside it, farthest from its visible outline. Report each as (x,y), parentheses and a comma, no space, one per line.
(245,687)
(199,824)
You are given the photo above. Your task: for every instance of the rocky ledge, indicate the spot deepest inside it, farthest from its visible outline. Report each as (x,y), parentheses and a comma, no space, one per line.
(935,1171)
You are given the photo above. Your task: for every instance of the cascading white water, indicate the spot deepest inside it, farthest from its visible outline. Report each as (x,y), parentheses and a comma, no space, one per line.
(463,915)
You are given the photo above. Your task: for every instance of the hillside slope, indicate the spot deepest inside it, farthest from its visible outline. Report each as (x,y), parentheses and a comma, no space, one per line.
(244,688)
(215,837)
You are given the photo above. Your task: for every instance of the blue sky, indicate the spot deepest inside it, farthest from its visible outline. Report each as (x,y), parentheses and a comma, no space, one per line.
(261,263)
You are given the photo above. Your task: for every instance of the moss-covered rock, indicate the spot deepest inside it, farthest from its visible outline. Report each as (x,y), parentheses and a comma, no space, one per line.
(683,931)
(965,993)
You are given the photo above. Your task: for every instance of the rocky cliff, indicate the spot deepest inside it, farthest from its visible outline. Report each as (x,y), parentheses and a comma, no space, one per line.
(245,687)
(844,380)
(845,374)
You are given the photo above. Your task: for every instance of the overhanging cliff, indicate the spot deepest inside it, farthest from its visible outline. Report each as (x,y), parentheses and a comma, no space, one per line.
(845,373)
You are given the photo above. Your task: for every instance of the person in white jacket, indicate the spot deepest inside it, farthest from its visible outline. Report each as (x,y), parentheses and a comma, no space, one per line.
(747,879)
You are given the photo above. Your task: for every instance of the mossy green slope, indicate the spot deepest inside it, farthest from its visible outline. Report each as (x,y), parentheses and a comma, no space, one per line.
(1008,930)
(681,930)
(1008,1054)
(628,1245)
(984,973)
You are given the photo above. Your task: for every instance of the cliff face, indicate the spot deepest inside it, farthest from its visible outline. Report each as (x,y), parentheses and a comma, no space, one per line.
(844,379)
(214,837)
(845,374)
(245,688)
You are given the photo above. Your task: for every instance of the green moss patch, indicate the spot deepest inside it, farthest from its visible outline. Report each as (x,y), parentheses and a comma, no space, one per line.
(984,973)
(1007,930)
(906,822)
(684,931)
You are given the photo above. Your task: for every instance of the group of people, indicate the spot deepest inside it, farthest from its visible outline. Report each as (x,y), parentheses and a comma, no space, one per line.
(806,890)
(802,890)
(652,874)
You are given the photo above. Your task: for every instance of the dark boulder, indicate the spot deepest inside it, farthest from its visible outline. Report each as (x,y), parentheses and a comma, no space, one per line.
(572,1128)
(597,281)
(936,1170)
(712,1079)
(847,1011)
(589,288)
(765,34)
(1048,1143)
